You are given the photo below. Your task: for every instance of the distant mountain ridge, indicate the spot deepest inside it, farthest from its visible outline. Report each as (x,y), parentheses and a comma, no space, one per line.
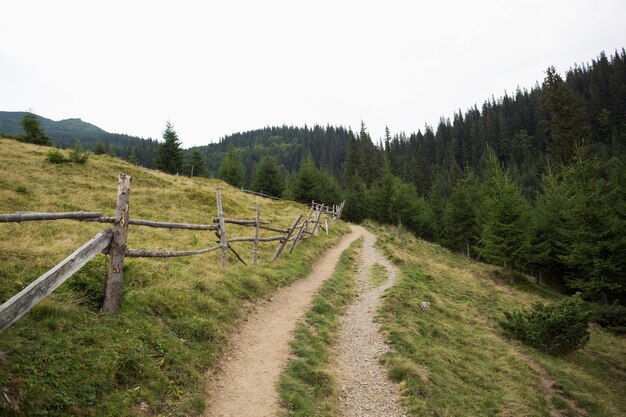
(64,133)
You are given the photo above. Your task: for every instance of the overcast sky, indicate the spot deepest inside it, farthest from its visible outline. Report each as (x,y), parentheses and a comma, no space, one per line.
(214,68)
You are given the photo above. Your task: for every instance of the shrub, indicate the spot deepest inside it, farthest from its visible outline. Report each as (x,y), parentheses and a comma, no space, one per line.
(78,154)
(55,156)
(611,317)
(558,329)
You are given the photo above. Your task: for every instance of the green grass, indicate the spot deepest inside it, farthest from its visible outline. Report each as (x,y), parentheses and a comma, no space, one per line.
(453,360)
(378,275)
(65,357)
(306,386)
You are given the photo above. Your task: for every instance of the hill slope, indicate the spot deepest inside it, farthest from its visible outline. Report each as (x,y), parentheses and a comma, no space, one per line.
(453,359)
(64,357)
(64,133)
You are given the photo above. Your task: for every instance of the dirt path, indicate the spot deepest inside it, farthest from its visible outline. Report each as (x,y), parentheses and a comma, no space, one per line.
(363,384)
(246,384)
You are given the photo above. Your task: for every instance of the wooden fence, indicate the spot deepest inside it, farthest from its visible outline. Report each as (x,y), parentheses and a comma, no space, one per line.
(260,194)
(114,243)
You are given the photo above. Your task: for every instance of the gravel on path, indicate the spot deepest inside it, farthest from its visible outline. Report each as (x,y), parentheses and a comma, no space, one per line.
(364,389)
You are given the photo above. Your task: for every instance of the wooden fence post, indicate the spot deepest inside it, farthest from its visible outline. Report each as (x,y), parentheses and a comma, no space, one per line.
(286,239)
(256,236)
(326,220)
(305,225)
(117,250)
(317,220)
(297,237)
(340,210)
(220,217)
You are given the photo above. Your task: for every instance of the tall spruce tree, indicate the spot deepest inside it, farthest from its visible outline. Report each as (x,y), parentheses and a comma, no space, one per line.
(195,166)
(231,169)
(268,178)
(307,182)
(460,221)
(354,162)
(33,133)
(371,166)
(593,239)
(169,155)
(507,229)
(568,127)
(549,217)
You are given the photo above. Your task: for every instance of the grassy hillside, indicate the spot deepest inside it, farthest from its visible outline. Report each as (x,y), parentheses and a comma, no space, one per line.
(453,360)
(65,357)
(63,134)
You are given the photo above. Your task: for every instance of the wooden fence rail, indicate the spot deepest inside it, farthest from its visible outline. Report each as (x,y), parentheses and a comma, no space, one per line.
(114,243)
(37,290)
(261,194)
(26,216)
(149,223)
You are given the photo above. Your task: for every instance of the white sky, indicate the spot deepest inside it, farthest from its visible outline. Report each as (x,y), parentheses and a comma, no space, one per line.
(218,67)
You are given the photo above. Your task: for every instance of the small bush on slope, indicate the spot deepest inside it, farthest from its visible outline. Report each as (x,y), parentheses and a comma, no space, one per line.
(560,328)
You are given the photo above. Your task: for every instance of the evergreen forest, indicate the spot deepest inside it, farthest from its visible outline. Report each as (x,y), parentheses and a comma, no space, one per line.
(533,181)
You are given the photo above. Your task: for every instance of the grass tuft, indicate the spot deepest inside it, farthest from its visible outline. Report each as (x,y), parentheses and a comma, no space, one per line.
(378,275)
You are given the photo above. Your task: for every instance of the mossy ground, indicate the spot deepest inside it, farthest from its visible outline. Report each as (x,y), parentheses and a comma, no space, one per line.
(65,357)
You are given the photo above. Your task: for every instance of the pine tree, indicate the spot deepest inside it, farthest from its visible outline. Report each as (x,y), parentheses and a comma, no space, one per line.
(382,196)
(354,161)
(567,126)
(268,178)
(370,169)
(33,133)
(549,209)
(169,155)
(307,181)
(506,230)
(231,169)
(421,174)
(592,236)
(460,220)
(195,166)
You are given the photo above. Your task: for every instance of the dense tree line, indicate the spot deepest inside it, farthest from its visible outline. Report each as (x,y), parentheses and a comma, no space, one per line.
(533,181)
(287,145)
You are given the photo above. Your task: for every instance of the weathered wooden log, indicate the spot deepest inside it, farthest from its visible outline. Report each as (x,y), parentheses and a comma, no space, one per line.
(301,229)
(140,253)
(240,222)
(251,239)
(31,216)
(162,225)
(284,241)
(20,303)
(117,250)
(222,230)
(326,222)
(273,229)
(305,225)
(260,194)
(255,250)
